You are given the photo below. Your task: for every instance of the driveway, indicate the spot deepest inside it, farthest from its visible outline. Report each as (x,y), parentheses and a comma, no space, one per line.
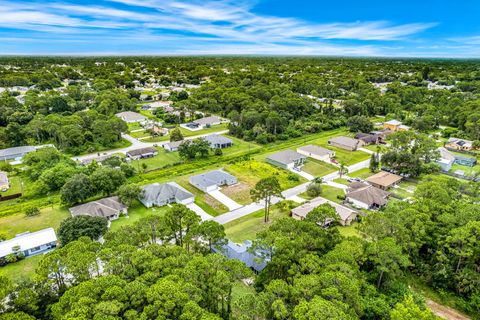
(199,211)
(231,205)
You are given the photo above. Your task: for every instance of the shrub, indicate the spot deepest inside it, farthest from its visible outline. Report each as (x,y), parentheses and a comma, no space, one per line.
(218,152)
(314,190)
(32,211)
(293,177)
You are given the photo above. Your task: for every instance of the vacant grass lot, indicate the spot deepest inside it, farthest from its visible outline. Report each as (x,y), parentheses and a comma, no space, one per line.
(164,158)
(18,223)
(318,168)
(247,227)
(328,192)
(239,192)
(251,171)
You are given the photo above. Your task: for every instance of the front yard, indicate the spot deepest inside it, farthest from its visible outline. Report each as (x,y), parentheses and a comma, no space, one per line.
(318,168)
(247,227)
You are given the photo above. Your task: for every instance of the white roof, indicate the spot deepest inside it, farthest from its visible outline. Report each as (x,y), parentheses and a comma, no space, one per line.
(28,241)
(394,122)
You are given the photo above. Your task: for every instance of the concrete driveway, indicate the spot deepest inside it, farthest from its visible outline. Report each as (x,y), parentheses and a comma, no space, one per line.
(199,211)
(229,203)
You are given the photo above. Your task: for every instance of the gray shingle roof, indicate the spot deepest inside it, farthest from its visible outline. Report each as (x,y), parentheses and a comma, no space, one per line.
(346,141)
(207,120)
(16,150)
(158,193)
(286,157)
(343,212)
(369,195)
(316,150)
(105,207)
(215,177)
(142,151)
(217,139)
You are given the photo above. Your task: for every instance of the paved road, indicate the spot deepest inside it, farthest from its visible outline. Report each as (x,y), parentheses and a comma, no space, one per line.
(136,144)
(291,193)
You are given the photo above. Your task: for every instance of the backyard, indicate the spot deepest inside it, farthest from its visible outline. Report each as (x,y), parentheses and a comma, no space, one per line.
(136,212)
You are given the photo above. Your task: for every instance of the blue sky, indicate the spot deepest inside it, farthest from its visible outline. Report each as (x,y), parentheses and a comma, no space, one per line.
(420,28)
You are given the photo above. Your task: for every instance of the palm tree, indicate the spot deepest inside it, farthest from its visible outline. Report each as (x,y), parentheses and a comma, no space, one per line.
(343,169)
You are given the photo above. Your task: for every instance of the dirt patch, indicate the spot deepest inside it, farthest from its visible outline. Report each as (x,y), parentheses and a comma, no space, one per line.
(239,192)
(445,312)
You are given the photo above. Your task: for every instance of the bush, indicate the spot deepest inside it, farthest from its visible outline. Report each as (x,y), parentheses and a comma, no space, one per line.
(218,152)
(314,190)
(341,197)
(32,211)
(293,177)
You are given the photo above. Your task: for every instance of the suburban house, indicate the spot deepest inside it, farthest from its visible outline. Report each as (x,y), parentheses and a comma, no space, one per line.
(366,196)
(287,159)
(98,159)
(253,260)
(110,208)
(384,180)
(4,182)
(346,143)
(131,117)
(345,215)
(395,125)
(448,159)
(207,122)
(173,146)
(459,144)
(369,138)
(142,153)
(202,123)
(316,152)
(212,180)
(17,153)
(29,243)
(160,194)
(217,141)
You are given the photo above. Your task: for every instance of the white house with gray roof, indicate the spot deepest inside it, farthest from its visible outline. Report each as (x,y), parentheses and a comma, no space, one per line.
(346,143)
(316,152)
(255,260)
(29,243)
(287,159)
(211,181)
(110,208)
(17,153)
(160,194)
(217,141)
(131,117)
(345,215)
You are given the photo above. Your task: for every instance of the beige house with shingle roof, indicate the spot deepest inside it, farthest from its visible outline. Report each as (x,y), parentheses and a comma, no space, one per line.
(366,196)
(345,215)
(384,180)
(109,208)
(316,152)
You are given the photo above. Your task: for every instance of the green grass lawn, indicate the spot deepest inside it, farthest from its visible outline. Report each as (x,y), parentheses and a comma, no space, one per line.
(21,270)
(251,171)
(468,171)
(348,157)
(362,173)
(139,134)
(248,226)
(331,193)
(341,181)
(18,223)
(318,168)
(164,158)
(134,126)
(350,231)
(136,212)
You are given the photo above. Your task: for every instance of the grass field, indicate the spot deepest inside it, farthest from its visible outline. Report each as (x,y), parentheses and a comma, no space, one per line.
(239,192)
(469,171)
(248,226)
(318,168)
(341,181)
(251,171)
(18,223)
(21,270)
(164,158)
(350,231)
(136,212)
(362,173)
